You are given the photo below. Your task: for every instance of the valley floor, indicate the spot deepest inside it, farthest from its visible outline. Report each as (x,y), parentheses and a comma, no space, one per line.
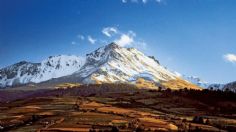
(117,108)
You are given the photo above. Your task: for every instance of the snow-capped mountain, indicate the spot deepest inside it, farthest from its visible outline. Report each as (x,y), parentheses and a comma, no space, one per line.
(193,79)
(216,86)
(58,66)
(18,73)
(26,72)
(201,83)
(230,87)
(196,80)
(108,64)
(113,63)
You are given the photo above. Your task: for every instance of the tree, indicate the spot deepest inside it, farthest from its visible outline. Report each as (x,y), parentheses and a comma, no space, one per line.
(114,129)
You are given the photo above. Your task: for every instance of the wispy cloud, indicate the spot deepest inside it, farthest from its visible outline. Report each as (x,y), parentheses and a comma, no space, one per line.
(230,58)
(130,39)
(91,40)
(109,31)
(119,37)
(123,38)
(114,34)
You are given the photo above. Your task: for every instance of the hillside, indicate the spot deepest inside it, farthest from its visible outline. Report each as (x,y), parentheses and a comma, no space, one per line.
(120,107)
(107,64)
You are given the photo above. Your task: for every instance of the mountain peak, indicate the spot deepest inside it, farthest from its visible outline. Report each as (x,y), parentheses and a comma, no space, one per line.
(108,64)
(113,45)
(113,63)
(103,52)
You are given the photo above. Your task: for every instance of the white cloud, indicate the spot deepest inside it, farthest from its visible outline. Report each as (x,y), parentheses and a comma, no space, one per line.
(109,31)
(129,39)
(122,38)
(230,58)
(91,40)
(81,37)
(126,39)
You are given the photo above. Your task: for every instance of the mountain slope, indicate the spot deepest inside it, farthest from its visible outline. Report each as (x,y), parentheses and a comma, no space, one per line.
(108,64)
(196,81)
(199,82)
(214,86)
(27,72)
(112,64)
(58,66)
(19,73)
(230,87)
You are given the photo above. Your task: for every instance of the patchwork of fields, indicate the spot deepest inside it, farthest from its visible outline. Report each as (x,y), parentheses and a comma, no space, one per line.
(116,109)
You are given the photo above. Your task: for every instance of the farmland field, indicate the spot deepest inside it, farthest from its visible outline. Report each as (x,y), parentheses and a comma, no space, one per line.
(117,108)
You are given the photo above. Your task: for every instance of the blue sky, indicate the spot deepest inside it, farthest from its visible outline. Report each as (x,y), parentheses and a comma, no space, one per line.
(193,37)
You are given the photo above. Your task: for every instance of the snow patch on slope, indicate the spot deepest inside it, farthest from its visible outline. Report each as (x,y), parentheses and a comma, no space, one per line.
(199,82)
(53,67)
(113,63)
(58,66)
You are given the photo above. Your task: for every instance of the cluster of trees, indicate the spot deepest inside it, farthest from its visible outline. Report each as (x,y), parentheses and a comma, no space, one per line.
(220,101)
(205,94)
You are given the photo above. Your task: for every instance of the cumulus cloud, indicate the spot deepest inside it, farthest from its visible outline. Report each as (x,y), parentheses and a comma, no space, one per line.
(91,40)
(230,58)
(81,37)
(124,40)
(109,31)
